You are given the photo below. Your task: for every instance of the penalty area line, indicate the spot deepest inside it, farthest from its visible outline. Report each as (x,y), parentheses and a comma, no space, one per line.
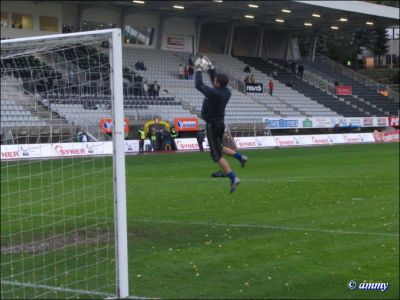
(67,290)
(276,179)
(261,226)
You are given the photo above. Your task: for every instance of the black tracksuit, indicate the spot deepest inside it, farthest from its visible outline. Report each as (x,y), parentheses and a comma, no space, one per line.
(213,112)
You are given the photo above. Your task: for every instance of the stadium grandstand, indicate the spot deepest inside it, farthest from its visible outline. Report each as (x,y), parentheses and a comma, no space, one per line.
(264,36)
(299,75)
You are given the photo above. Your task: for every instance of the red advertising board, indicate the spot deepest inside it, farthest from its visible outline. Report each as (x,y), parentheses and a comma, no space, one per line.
(106,125)
(186,124)
(394,122)
(344,90)
(389,136)
(175,41)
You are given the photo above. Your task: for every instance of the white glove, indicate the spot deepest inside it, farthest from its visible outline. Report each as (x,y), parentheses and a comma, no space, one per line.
(198,64)
(208,62)
(203,64)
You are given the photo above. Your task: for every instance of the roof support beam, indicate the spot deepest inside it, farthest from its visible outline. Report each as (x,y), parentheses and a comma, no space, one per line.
(160,31)
(361,7)
(230,38)
(261,41)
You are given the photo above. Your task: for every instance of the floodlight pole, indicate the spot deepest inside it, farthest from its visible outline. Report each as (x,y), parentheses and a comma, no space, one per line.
(121,236)
(391,48)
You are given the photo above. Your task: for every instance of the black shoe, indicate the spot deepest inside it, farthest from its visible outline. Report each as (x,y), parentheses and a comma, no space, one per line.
(244,160)
(234,184)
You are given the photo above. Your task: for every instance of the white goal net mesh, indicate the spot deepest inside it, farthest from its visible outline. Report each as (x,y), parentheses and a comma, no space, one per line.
(57,196)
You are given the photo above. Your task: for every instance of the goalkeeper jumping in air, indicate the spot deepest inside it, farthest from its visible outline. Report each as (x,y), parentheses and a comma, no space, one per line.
(213,112)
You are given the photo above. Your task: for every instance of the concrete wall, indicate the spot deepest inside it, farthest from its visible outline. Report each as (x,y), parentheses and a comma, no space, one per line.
(47,9)
(70,15)
(177,34)
(245,41)
(213,38)
(99,14)
(275,45)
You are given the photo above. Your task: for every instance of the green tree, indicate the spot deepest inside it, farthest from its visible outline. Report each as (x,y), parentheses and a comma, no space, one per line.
(347,45)
(379,43)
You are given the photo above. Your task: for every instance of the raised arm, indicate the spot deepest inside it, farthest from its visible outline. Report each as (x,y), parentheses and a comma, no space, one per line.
(206,90)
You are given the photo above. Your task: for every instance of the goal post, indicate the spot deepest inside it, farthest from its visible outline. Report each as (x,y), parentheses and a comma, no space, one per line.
(121,235)
(56,211)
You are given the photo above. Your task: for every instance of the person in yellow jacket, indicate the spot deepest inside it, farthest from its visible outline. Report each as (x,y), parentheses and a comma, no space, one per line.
(174,135)
(142,137)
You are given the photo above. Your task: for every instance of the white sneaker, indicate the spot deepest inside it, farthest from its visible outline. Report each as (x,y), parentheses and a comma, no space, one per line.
(234,184)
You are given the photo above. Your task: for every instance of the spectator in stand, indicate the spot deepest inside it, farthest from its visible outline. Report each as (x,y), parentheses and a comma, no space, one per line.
(247,69)
(140,65)
(289,83)
(286,66)
(167,140)
(293,68)
(174,135)
(200,139)
(251,78)
(191,72)
(275,73)
(190,60)
(126,85)
(186,72)
(271,87)
(181,72)
(151,89)
(78,135)
(137,65)
(336,83)
(300,71)
(336,128)
(247,79)
(156,89)
(84,137)
(145,88)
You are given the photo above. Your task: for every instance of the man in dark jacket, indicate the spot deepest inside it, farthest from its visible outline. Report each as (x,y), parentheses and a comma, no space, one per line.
(213,112)
(160,137)
(174,135)
(200,139)
(293,68)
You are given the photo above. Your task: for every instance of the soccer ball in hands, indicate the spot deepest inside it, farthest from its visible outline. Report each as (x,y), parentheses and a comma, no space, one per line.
(203,63)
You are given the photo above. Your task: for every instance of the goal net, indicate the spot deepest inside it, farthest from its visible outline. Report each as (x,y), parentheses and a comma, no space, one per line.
(63,210)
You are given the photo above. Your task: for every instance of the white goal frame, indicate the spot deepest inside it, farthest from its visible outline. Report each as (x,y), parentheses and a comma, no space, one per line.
(119,181)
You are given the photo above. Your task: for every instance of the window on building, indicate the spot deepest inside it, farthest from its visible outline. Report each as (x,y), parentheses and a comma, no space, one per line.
(90,25)
(138,35)
(48,23)
(4,19)
(392,33)
(22,21)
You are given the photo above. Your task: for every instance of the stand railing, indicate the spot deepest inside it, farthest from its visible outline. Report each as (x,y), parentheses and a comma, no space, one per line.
(368,82)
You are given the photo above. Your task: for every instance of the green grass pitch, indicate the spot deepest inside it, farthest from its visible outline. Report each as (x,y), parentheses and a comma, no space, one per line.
(301,225)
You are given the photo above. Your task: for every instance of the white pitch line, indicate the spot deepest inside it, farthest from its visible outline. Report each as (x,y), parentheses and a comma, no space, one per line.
(256,226)
(68,290)
(261,226)
(283,179)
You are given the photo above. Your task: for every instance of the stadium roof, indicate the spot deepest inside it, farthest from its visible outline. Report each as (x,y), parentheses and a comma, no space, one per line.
(293,13)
